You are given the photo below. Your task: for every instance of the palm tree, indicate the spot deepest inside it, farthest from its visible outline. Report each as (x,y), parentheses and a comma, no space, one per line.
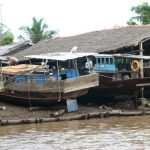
(38,31)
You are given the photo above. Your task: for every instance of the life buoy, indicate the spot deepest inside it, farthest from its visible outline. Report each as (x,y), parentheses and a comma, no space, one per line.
(135,66)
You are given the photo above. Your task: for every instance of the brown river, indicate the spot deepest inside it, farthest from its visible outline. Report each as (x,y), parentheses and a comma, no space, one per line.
(124,133)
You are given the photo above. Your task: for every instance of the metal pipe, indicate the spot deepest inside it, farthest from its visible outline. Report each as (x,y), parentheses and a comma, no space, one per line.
(76,67)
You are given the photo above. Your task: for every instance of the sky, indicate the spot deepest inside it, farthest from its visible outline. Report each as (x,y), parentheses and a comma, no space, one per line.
(68,17)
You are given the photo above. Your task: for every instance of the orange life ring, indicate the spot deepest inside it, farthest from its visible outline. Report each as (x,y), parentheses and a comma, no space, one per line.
(135,66)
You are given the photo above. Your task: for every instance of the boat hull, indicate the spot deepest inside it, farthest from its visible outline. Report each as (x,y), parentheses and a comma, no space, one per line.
(40,98)
(49,92)
(121,89)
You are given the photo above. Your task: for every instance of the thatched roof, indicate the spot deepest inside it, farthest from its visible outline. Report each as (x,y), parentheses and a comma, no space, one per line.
(98,41)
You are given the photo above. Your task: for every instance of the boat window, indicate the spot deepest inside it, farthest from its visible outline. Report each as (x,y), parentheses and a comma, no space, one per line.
(102,60)
(111,61)
(129,61)
(119,60)
(98,60)
(107,60)
(116,60)
(146,63)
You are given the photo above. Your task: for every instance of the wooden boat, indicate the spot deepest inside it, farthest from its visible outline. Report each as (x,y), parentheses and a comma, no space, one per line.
(30,83)
(121,76)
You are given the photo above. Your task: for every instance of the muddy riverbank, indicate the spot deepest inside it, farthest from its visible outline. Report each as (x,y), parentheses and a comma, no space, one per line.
(10,111)
(13,111)
(11,114)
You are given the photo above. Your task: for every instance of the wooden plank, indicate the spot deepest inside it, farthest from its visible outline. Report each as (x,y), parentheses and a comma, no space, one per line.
(50,86)
(66,86)
(143,85)
(82,82)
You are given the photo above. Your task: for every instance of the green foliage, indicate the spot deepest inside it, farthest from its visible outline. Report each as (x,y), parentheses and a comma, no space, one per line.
(6,38)
(38,31)
(142,14)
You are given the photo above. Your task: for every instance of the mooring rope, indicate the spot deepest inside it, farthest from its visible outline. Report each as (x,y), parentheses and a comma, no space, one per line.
(29,96)
(58,79)
(28,91)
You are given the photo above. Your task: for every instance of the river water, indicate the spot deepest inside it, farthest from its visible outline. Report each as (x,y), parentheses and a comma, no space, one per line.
(124,133)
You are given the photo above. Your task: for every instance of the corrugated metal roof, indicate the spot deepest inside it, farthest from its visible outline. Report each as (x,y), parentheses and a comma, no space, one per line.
(123,56)
(62,56)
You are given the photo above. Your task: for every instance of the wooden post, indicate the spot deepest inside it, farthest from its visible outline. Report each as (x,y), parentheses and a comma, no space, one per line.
(1,70)
(141,67)
(141,64)
(1,78)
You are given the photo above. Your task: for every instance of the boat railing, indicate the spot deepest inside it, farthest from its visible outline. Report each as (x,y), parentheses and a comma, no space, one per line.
(40,79)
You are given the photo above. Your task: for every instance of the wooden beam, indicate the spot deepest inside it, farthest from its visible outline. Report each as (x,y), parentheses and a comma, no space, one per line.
(143,85)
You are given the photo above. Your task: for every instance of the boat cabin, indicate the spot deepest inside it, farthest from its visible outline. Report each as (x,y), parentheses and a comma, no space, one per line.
(105,63)
(62,65)
(124,66)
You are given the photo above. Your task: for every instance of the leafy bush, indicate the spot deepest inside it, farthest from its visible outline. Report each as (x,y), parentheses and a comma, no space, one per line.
(7,39)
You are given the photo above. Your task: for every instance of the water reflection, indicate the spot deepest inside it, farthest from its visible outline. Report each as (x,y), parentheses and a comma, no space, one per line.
(112,133)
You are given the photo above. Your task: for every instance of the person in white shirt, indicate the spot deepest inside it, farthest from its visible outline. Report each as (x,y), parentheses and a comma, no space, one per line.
(89,65)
